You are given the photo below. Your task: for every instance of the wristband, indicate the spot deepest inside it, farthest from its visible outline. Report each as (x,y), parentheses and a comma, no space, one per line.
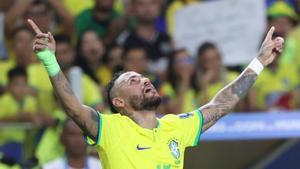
(47,57)
(256,66)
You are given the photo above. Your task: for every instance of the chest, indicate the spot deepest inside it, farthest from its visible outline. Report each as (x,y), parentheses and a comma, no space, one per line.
(156,148)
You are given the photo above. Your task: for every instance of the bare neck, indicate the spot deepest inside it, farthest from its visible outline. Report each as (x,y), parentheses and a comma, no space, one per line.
(145,119)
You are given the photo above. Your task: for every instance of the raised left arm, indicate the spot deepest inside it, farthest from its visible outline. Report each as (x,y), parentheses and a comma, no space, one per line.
(229,96)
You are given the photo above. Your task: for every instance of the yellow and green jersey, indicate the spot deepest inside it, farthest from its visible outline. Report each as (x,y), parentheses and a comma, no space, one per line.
(122,143)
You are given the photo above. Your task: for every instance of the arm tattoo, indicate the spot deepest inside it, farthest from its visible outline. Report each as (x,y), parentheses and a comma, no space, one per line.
(85,117)
(227,98)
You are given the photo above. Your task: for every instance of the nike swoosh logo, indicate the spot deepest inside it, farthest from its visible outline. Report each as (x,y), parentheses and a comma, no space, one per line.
(142,148)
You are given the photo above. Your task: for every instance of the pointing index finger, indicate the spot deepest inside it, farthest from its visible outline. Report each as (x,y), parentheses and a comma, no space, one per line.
(270,33)
(34,27)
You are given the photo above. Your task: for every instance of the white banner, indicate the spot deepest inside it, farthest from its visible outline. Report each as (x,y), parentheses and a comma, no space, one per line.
(236,26)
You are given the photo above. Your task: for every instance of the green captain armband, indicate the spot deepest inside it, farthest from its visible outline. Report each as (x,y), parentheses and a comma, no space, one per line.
(48,58)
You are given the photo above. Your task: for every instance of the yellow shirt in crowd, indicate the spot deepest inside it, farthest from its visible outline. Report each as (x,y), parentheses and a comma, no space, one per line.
(189,100)
(10,107)
(213,89)
(271,87)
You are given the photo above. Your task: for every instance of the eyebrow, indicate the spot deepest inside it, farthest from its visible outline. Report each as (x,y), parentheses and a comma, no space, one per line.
(134,76)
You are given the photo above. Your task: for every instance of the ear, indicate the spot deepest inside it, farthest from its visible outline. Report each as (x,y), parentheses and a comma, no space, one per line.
(118,102)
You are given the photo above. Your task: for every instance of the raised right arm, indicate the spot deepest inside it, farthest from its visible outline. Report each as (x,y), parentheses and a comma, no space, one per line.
(85,117)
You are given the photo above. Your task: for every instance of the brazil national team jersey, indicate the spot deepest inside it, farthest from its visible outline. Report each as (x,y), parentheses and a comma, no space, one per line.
(124,144)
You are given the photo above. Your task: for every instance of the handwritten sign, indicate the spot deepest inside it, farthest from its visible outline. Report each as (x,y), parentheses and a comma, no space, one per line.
(236,26)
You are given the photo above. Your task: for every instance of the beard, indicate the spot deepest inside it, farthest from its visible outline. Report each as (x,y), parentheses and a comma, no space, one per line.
(140,103)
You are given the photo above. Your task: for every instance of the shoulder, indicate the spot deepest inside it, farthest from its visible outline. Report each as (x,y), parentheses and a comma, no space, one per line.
(111,117)
(5,98)
(58,163)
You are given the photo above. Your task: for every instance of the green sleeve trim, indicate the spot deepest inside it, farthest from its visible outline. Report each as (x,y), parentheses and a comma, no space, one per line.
(99,129)
(98,138)
(200,116)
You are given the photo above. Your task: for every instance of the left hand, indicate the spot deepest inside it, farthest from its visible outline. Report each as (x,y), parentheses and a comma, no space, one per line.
(270,48)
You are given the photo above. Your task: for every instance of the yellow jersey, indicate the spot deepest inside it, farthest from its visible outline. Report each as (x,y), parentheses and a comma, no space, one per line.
(121,143)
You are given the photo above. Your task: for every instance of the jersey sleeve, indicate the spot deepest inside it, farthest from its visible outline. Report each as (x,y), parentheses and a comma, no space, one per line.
(108,131)
(191,127)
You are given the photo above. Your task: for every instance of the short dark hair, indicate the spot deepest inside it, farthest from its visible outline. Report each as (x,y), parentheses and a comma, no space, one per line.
(22,28)
(42,2)
(109,90)
(204,47)
(127,50)
(62,38)
(16,71)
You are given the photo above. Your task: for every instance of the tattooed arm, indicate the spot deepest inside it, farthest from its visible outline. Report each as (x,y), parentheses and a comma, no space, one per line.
(229,96)
(85,117)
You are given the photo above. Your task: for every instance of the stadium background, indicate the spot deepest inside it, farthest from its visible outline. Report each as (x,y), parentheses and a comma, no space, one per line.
(96,38)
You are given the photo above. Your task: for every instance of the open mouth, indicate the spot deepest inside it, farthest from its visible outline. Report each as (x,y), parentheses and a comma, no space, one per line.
(148,89)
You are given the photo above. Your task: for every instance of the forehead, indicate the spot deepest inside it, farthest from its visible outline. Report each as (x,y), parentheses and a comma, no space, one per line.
(125,76)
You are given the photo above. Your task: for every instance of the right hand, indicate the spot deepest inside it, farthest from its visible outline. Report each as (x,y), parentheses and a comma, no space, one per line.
(43,41)
(270,48)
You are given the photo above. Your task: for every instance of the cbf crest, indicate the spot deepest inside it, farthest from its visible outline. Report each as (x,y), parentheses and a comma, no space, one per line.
(174,147)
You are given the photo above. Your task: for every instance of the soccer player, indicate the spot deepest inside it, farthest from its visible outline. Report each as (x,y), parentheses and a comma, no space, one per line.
(134,138)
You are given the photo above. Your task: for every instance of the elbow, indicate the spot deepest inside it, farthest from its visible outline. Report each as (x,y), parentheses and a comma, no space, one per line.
(73,111)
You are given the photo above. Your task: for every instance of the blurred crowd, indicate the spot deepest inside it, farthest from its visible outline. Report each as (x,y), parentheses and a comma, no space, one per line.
(97,38)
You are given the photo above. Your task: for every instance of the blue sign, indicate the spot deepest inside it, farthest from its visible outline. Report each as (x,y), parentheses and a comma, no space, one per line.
(245,126)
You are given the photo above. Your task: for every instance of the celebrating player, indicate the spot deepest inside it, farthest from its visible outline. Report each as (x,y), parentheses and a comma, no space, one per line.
(133,138)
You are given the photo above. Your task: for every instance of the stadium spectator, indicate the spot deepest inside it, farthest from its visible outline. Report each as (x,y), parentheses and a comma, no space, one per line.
(275,88)
(75,151)
(40,12)
(180,91)
(284,18)
(16,106)
(135,59)
(91,55)
(211,72)
(102,18)
(157,44)
(114,58)
(4,5)
(49,141)
(66,59)
(21,54)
